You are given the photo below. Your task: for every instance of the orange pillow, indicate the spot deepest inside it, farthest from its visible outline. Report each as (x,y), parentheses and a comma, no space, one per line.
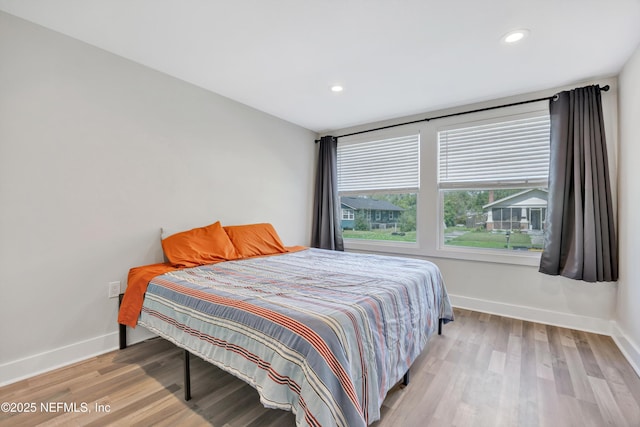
(203,245)
(255,239)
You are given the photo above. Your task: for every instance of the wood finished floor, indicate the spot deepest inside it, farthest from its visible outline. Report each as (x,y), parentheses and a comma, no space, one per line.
(483,371)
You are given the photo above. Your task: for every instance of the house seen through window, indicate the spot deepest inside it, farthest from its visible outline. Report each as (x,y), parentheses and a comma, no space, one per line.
(379,216)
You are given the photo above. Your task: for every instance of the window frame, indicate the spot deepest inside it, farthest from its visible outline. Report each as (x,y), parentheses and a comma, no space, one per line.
(385,246)
(350,214)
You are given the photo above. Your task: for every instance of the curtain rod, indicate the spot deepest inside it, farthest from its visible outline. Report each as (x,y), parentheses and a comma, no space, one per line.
(603,88)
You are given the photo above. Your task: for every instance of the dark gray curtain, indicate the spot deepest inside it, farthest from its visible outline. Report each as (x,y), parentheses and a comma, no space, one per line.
(327,233)
(580,239)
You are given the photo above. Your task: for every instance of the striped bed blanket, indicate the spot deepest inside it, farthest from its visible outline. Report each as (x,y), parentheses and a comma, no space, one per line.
(323,334)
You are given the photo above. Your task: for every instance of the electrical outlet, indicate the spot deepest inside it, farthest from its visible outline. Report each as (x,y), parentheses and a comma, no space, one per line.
(114,289)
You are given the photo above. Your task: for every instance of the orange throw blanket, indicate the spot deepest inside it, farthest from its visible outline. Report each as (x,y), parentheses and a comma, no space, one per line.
(138,280)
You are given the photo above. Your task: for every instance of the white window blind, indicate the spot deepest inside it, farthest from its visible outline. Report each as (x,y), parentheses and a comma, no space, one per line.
(497,155)
(388,164)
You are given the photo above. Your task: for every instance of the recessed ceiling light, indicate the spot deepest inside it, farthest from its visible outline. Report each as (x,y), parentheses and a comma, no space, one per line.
(514,36)
(336,88)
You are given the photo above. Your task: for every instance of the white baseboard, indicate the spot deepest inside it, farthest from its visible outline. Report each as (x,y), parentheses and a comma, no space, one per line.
(629,349)
(547,317)
(27,367)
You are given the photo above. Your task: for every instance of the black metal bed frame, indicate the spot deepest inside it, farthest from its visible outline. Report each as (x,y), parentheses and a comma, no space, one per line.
(187,363)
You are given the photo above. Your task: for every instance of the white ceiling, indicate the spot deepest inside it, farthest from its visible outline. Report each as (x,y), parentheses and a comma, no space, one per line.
(394,57)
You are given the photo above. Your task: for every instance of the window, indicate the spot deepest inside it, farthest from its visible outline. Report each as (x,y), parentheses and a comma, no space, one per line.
(471,186)
(492,180)
(347,214)
(379,180)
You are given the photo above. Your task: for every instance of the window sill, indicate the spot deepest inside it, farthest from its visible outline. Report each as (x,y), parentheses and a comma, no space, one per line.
(382,246)
(489,255)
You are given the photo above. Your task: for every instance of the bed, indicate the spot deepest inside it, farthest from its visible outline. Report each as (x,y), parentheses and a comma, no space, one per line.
(323,334)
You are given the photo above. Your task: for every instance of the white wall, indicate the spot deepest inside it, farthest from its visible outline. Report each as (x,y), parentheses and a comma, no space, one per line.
(628,309)
(499,287)
(96,154)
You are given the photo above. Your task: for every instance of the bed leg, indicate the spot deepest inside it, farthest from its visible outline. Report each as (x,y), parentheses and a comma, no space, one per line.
(187,376)
(123,337)
(122,331)
(405,379)
(440,327)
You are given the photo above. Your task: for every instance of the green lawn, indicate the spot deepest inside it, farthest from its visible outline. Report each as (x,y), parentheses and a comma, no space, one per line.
(476,239)
(409,236)
(483,239)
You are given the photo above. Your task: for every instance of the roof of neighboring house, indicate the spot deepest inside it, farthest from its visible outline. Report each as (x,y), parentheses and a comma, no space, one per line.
(358,203)
(534,197)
